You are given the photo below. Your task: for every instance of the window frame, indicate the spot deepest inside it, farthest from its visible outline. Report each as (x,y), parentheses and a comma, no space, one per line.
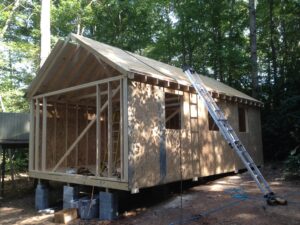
(244,122)
(180,121)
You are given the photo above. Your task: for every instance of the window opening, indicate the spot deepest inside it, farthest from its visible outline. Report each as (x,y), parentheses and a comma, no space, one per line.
(173,110)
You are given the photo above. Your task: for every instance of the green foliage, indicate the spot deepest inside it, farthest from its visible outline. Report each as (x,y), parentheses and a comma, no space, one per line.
(292,164)
(211,36)
(18,53)
(19,161)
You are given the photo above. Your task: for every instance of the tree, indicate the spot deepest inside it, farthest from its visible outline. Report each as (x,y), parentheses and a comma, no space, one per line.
(253,57)
(45,30)
(15,4)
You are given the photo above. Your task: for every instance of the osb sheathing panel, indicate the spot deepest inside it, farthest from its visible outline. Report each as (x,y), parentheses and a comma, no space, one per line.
(186,148)
(252,138)
(154,152)
(173,155)
(145,124)
(203,154)
(215,155)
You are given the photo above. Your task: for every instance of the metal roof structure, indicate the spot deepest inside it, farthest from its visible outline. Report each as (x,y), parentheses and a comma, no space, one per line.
(14,128)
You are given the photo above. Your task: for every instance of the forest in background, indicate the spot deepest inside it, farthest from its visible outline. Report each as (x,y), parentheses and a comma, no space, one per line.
(212,36)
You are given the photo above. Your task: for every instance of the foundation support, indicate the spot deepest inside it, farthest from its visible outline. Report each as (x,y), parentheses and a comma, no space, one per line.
(41,196)
(70,194)
(108,206)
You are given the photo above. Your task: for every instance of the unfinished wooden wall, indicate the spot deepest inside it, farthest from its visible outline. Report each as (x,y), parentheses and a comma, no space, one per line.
(64,123)
(154,151)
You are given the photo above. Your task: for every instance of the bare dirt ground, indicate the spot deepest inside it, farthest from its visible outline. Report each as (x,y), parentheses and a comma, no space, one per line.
(231,200)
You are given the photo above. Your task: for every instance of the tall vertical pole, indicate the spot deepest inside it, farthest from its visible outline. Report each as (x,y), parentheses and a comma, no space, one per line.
(98,130)
(109,129)
(125,127)
(37,134)
(121,130)
(66,140)
(76,131)
(3,169)
(44,134)
(31,137)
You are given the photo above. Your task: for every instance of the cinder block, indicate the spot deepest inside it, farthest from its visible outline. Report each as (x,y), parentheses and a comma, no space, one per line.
(70,194)
(108,206)
(41,197)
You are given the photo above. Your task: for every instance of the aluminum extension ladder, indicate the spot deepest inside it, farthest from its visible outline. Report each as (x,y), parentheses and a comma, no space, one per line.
(231,137)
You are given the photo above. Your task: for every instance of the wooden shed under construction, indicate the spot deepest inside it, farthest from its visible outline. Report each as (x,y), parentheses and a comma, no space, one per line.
(110,118)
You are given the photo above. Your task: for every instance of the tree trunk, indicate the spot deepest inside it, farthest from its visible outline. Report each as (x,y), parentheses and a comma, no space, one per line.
(231,44)
(273,49)
(8,21)
(253,57)
(45,30)
(183,48)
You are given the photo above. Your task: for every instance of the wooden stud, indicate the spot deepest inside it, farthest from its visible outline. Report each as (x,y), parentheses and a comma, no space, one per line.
(76,131)
(98,130)
(44,134)
(121,130)
(87,138)
(37,134)
(31,140)
(109,129)
(55,133)
(83,133)
(69,150)
(125,128)
(66,140)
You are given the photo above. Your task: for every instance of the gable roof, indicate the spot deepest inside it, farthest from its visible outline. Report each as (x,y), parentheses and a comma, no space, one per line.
(127,63)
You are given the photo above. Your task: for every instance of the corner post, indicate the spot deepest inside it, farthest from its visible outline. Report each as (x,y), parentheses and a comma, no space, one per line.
(31,137)
(37,134)
(125,128)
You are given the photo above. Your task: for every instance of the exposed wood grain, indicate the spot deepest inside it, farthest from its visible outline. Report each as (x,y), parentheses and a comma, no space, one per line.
(44,133)
(109,129)
(37,134)
(31,137)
